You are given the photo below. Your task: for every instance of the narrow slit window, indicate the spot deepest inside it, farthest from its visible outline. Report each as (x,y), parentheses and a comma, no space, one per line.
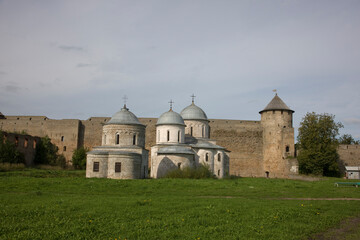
(178,136)
(96,167)
(134,139)
(118,167)
(219,157)
(191,131)
(206,157)
(219,172)
(117,138)
(168,135)
(62,138)
(202,133)
(179,165)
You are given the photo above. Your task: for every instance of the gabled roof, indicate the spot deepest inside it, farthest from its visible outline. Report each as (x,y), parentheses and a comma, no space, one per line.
(276,104)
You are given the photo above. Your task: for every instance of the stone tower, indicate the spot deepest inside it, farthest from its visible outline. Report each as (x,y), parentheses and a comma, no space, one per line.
(278,139)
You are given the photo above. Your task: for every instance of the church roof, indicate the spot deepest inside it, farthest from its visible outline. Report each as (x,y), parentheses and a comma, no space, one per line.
(193,112)
(124,117)
(276,104)
(176,149)
(170,118)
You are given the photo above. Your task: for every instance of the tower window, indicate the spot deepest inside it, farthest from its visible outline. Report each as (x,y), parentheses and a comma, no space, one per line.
(219,157)
(62,138)
(191,131)
(118,167)
(202,131)
(287,149)
(96,167)
(168,135)
(117,138)
(134,139)
(178,136)
(206,157)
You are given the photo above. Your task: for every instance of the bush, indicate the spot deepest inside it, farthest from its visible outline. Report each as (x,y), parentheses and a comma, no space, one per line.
(194,173)
(9,153)
(47,153)
(5,167)
(79,158)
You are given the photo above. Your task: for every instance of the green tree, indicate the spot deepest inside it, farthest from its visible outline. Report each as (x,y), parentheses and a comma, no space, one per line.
(47,153)
(317,142)
(347,139)
(79,158)
(8,152)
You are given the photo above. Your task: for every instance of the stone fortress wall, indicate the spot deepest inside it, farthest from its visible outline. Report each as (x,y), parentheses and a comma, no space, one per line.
(243,138)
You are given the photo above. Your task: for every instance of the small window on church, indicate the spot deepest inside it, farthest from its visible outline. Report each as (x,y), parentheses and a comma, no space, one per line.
(134,139)
(96,167)
(287,149)
(168,135)
(219,157)
(179,165)
(206,157)
(219,172)
(118,167)
(117,138)
(202,131)
(191,131)
(178,136)
(62,138)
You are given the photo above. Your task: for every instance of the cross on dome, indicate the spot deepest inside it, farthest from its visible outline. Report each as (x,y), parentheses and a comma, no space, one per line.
(193,97)
(125,98)
(171,104)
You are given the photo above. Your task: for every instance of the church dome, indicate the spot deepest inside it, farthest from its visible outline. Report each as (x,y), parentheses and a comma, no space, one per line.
(193,112)
(170,118)
(124,116)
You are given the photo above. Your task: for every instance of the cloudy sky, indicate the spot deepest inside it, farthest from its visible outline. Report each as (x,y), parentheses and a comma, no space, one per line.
(77,59)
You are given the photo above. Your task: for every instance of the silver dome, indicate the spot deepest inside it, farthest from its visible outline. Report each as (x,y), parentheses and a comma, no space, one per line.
(170,118)
(193,112)
(124,116)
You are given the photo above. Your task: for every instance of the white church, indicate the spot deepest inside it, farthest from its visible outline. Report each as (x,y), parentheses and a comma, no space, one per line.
(182,140)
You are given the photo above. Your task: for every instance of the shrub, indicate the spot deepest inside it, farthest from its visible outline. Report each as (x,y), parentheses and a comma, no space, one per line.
(194,173)
(47,153)
(79,158)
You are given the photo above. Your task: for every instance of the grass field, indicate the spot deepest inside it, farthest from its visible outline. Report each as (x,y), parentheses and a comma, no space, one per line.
(39,204)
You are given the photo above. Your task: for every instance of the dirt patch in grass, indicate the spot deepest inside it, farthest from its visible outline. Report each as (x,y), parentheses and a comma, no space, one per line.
(348,229)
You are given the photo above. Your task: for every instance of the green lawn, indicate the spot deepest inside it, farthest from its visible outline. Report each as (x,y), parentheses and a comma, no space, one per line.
(39,204)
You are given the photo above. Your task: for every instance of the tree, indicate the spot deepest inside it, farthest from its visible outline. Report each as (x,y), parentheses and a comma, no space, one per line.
(47,153)
(79,158)
(8,152)
(317,142)
(347,139)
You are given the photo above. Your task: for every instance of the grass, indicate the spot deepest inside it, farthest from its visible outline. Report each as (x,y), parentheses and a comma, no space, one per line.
(49,204)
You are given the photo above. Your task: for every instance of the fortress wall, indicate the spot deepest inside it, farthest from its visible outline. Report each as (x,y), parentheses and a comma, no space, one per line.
(350,154)
(25,144)
(91,131)
(244,140)
(41,126)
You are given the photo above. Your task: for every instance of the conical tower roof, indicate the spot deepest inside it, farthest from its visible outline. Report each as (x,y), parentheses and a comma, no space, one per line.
(276,104)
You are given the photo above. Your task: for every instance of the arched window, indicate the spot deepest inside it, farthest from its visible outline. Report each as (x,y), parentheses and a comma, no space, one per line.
(117,138)
(178,136)
(191,131)
(207,157)
(287,149)
(168,135)
(134,139)
(219,157)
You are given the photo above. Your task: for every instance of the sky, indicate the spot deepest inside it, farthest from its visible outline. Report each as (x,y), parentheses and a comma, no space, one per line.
(78,58)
